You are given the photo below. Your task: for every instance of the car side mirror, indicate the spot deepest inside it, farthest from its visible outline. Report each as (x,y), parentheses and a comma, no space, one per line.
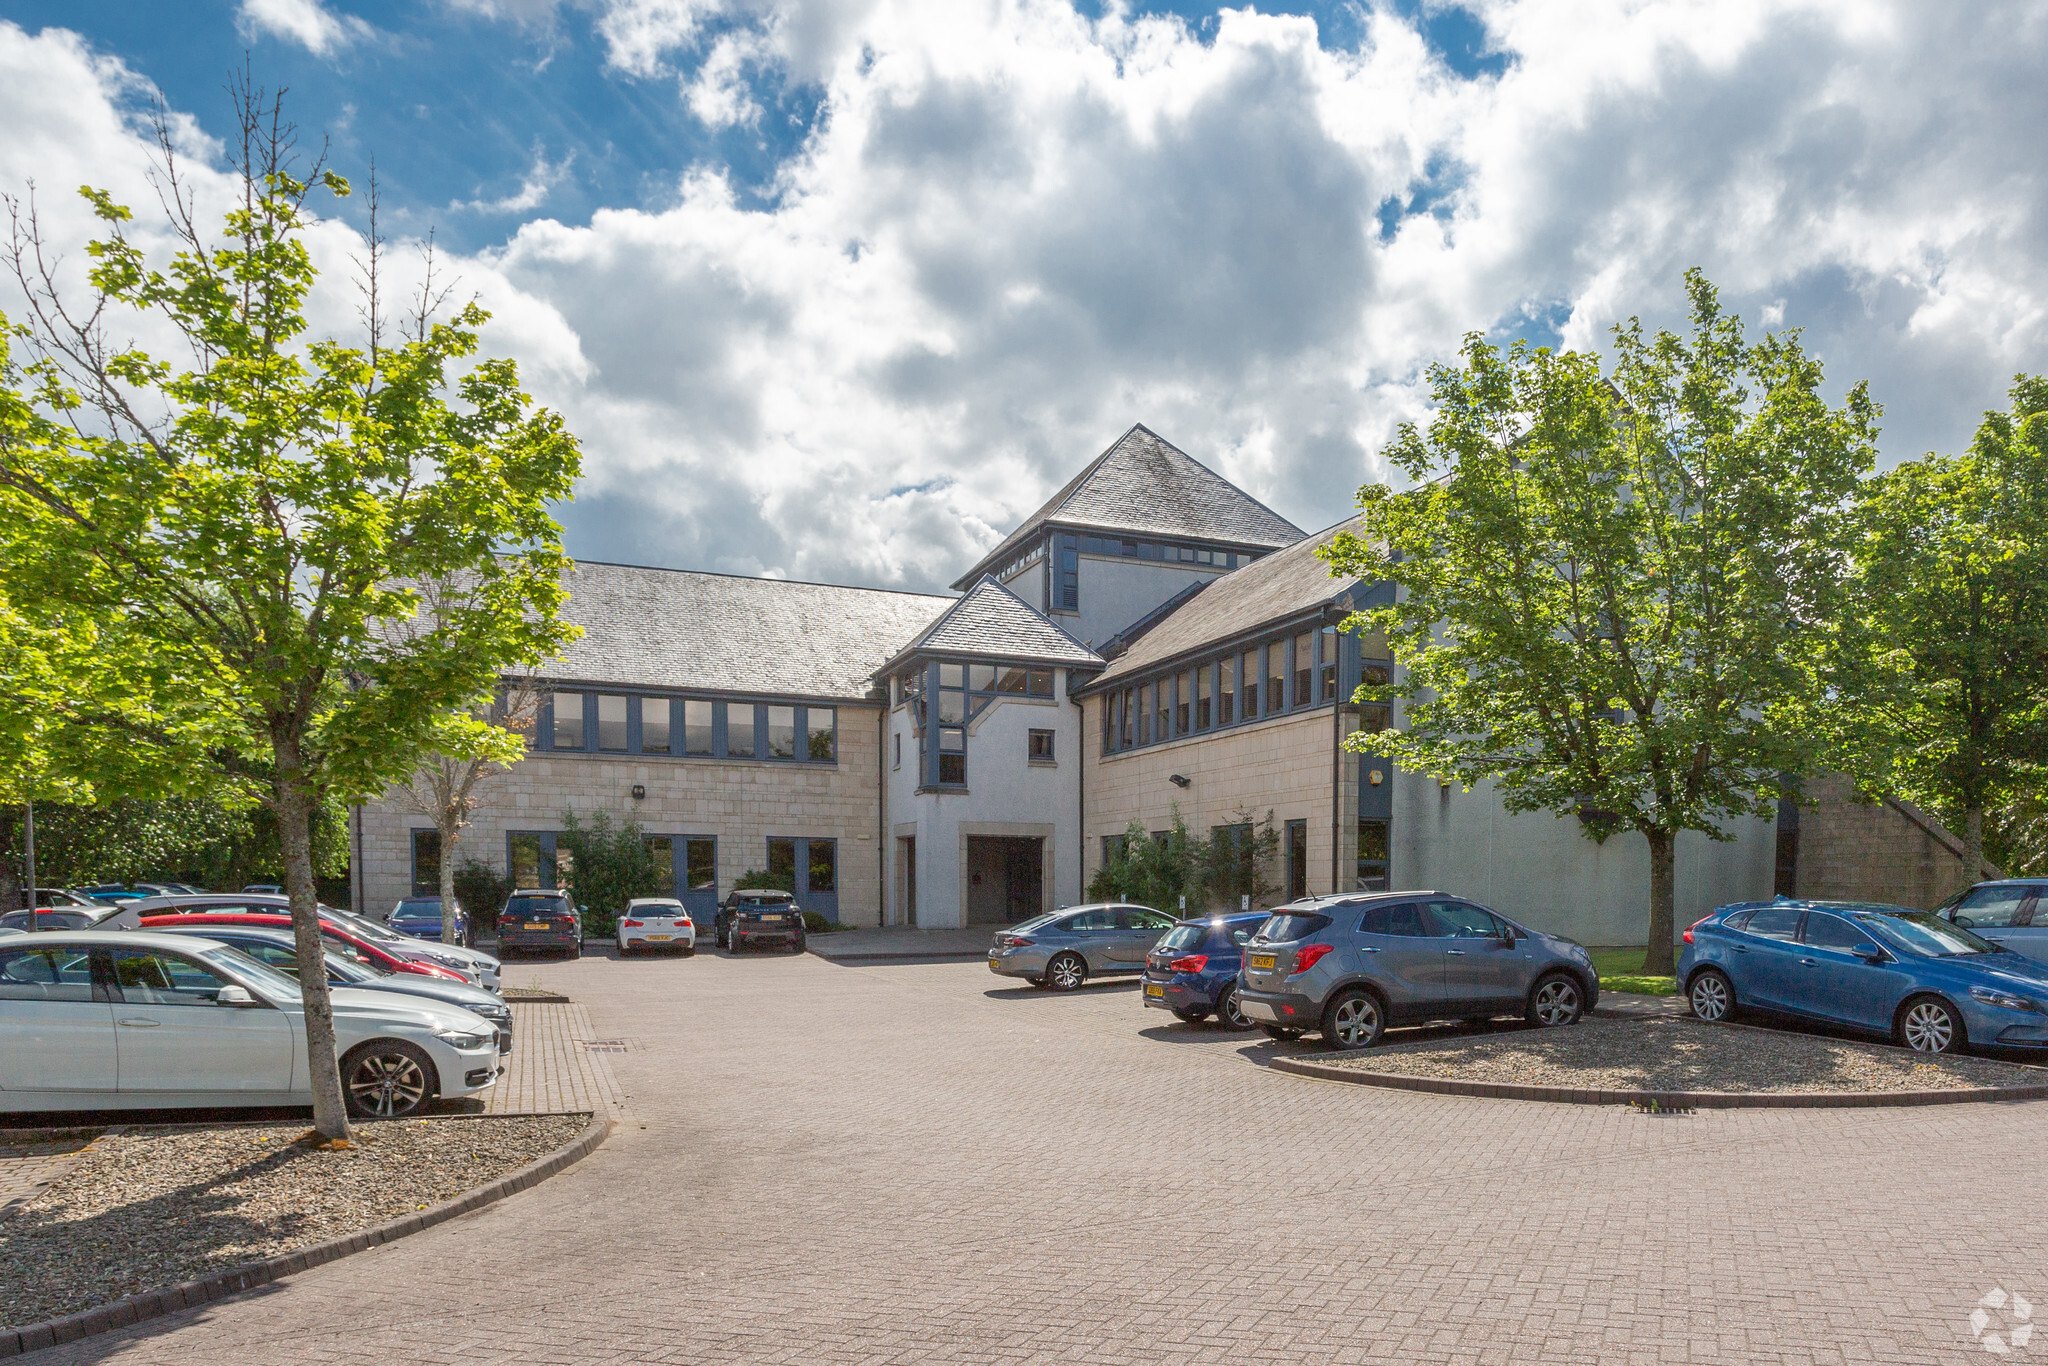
(232,995)
(1869,953)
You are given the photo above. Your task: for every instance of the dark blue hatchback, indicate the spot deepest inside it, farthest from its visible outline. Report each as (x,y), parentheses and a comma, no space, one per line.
(1193,970)
(420,917)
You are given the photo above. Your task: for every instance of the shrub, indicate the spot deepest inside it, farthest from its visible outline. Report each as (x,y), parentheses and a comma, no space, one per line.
(774,882)
(608,863)
(481,891)
(1157,870)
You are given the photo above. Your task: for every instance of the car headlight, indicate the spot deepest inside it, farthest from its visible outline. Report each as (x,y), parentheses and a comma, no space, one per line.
(465,1040)
(2005,1001)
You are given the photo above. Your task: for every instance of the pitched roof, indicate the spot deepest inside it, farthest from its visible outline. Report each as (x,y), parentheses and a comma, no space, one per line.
(991,620)
(677,628)
(1147,485)
(1287,583)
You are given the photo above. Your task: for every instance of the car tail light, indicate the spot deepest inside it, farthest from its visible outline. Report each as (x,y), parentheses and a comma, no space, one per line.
(1194,962)
(1309,957)
(1013,941)
(1695,925)
(632,924)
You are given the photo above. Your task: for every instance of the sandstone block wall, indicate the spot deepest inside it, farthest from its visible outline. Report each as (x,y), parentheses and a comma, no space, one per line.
(1880,851)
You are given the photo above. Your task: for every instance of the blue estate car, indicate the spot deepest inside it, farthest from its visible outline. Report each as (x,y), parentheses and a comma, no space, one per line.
(1193,970)
(420,917)
(1928,984)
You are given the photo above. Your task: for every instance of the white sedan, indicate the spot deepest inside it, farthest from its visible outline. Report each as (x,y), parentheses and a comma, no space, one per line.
(656,922)
(127,1020)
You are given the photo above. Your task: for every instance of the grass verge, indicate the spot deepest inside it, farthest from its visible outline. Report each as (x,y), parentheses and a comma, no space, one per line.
(1621,969)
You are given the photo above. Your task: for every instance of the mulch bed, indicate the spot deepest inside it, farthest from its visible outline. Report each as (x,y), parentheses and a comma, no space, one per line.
(145,1210)
(1680,1054)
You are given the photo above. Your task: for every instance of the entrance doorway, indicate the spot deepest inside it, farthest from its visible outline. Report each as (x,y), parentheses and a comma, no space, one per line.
(1005,878)
(906,877)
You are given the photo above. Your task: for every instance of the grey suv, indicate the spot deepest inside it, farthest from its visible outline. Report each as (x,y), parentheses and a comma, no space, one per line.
(1349,966)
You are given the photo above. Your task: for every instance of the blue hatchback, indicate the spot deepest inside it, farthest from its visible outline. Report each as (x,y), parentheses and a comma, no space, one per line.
(1193,970)
(1912,976)
(420,917)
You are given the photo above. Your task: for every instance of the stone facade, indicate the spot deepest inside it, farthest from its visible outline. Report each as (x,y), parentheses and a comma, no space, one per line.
(741,803)
(1850,850)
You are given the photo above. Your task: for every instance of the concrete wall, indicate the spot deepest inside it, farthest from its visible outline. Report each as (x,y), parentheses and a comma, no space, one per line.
(1116,592)
(1006,794)
(742,803)
(1880,851)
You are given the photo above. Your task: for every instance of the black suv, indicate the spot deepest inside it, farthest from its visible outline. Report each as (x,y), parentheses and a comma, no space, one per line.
(539,918)
(755,915)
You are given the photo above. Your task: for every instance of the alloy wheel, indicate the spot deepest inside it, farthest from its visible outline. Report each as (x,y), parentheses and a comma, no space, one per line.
(1229,1013)
(1355,1022)
(1709,997)
(1929,1027)
(1064,973)
(1557,1002)
(387,1085)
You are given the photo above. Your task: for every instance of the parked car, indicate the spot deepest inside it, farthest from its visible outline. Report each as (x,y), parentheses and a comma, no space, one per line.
(113,894)
(199,1024)
(656,921)
(420,917)
(344,941)
(1349,966)
(758,915)
(540,919)
(168,889)
(479,969)
(1915,977)
(476,965)
(277,950)
(273,888)
(58,918)
(1193,970)
(1064,949)
(2012,912)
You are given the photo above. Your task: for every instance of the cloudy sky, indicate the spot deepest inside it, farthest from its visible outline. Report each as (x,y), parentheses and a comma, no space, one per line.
(841,289)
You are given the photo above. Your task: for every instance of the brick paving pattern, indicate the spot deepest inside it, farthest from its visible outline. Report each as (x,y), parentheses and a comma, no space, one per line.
(923,1163)
(550,1070)
(26,1168)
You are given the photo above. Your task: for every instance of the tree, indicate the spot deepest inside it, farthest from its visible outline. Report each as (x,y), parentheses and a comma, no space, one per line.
(1612,590)
(609,864)
(1951,572)
(1211,873)
(254,513)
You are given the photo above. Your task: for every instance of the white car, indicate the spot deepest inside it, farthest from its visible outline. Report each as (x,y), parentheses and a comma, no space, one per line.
(656,922)
(127,1020)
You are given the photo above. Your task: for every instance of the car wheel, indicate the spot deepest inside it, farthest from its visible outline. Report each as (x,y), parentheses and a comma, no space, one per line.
(1711,995)
(1280,1032)
(1190,1016)
(386,1079)
(797,945)
(1227,1013)
(1928,1024)
(1556,1000)
(1066,972)
(1352,1020)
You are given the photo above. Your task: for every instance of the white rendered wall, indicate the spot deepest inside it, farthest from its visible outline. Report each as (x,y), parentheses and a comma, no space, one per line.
(1116,592)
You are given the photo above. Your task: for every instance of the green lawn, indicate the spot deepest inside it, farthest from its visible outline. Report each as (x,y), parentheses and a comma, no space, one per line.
(1622,970)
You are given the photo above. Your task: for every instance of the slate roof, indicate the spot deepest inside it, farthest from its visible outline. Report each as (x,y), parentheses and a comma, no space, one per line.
(992,621)
(1146,485)
(1287,583)
(676,628)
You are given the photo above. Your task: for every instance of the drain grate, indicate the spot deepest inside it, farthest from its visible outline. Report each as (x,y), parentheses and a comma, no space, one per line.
(604,1045)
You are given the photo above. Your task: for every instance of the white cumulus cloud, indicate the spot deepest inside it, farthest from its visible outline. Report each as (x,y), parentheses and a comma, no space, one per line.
(305,22)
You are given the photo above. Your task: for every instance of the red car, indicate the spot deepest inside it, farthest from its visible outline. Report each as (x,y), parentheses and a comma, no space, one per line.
(342,940)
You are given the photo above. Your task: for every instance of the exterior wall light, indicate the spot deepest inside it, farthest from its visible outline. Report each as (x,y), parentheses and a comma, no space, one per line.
(1375,777)
(1179,781)
(640,789)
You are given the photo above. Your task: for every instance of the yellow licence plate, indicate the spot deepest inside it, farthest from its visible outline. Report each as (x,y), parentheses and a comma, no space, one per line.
(1155,989)
(654,937)
(1262,961)
(531,926)
(767,918)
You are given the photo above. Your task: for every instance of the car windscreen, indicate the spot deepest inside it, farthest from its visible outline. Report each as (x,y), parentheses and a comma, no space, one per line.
(1287,926)
(432,907)
(1184,937)
(534,905)
(1927,934)
(660,910)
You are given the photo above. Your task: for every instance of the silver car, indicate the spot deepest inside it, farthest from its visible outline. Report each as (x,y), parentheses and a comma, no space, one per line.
(1349,966)
(1066,948)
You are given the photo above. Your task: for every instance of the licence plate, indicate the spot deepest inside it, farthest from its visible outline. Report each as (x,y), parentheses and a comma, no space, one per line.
(1155,989)
(656,937)
(531,926)
(771,919)
(1261,961)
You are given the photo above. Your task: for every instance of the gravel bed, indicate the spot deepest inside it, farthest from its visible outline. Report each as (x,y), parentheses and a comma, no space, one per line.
(1680,1054)
(143,1211)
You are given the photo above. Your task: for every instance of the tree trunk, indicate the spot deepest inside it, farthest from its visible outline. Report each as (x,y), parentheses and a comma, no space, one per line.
(448,835)
(295,830)
(10,876)
(1660,961)
(1973,842)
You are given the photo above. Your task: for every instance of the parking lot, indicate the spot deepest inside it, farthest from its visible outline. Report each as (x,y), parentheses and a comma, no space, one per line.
(922,1162)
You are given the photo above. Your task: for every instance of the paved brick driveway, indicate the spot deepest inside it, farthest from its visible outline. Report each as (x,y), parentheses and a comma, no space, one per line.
(915,1163)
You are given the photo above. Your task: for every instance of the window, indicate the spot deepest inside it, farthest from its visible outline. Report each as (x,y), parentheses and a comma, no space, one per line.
(1145,714)
(531,859)
(654,725)
(1251,669)
(782,732)
(821,734)
(697,738)
(1146,921)
(739,730)
(782,860)
(1205,681)
(1995,908)
(1041,747)
(1226,692)
(1013,678)
(896,757)
(700,865)
(1372,856)
(1833,932)
(952,755)
(1776,922)
(1090,921)
(1183,702)
(1304,668)
(1276,677)
(1068,586)
(1125,718)
(824,866)
(1403,920)
(148,977)
(1462,920)
(1041,683)
(46,975)
(1297,860)
(662,850)
(1112,848)
(1162,701)
(568,720)
(426,863)
(1328,667)
(611,723)
(1374,717)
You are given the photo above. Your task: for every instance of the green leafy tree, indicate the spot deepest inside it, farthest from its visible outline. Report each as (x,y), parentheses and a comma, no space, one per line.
(1951,569)
(609,864)
(1212,873)
(1613,587)
(253,513)
(482,890)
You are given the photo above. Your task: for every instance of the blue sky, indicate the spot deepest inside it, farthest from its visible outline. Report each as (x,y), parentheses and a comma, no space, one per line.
(841,289)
